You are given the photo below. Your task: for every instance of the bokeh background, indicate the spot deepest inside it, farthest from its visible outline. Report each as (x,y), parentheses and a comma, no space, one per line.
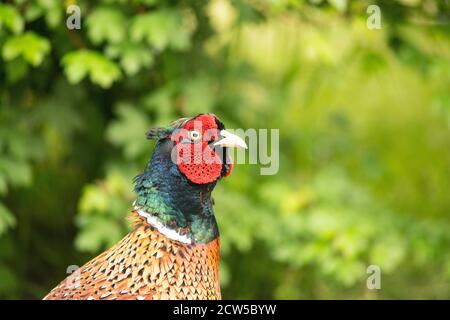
(364,119)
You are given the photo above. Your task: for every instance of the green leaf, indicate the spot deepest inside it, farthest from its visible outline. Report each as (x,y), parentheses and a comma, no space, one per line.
(54,16)
(81,63)
(97,233)
(133,57)
(161,29)
(388,253)
(106,24)
(33,12)
(17,172)
(11,19)
(94,199)
(128,131)
(340,5)
(29,45)
(7,219)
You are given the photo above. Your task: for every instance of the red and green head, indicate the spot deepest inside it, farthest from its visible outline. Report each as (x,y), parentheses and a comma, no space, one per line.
(200,147)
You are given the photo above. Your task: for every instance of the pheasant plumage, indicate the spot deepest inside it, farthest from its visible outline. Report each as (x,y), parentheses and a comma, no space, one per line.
(173,250)
(146,265)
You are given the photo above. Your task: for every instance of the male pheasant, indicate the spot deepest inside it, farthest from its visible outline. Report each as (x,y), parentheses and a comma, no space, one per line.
(173,251)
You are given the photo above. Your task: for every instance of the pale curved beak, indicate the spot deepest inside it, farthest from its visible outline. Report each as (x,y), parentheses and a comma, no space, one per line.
(230,140)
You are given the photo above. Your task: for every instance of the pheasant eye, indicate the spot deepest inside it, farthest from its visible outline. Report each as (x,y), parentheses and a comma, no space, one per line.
(194,135)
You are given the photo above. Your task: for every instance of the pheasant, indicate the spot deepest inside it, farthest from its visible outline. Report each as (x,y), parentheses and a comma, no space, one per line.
(173,250)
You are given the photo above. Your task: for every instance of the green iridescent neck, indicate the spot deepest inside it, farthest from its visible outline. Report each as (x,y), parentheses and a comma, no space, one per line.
(165,193)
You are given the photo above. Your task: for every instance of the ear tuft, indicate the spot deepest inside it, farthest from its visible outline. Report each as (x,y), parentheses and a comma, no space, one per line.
(159,133)
(156,133)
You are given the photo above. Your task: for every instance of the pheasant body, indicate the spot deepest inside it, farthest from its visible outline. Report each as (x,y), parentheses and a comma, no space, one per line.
(146,265)
(173,250)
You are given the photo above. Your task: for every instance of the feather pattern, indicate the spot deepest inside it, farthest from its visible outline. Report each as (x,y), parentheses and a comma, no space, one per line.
(146,265)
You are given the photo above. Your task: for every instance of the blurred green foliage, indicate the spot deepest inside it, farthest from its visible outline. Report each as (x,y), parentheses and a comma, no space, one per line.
(365,134)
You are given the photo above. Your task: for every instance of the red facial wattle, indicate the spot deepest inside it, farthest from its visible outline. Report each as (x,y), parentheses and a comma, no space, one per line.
(198,161)
(192,164)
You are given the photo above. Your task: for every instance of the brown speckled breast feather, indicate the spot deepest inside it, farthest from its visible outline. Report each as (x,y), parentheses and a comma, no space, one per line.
(146,265)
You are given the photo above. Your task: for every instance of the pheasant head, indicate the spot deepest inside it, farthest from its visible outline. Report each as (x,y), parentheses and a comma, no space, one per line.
(174,191)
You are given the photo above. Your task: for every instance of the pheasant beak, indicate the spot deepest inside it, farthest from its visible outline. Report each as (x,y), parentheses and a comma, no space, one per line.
(230,140)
